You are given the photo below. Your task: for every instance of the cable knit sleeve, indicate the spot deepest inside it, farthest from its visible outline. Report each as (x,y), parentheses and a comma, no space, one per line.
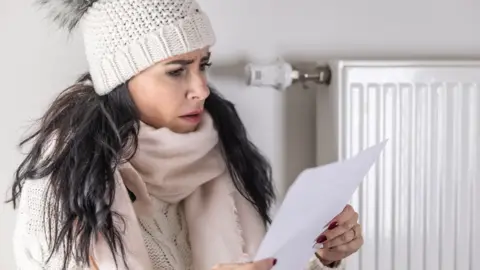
(29,239)
(315,264)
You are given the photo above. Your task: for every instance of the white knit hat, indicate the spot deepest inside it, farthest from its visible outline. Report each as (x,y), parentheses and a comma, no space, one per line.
(124,37)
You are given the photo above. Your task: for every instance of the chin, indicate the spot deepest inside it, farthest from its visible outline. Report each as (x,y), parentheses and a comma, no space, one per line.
(184,128)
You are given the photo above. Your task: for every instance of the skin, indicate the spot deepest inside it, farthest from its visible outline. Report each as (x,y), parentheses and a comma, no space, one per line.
(342,238)
(265,264)
(170,89)
(167,91)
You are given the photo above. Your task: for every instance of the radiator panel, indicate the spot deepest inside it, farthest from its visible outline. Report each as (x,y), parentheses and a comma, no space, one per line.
(419,206)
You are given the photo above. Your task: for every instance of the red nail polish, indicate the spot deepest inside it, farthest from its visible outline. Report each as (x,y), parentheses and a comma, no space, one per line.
(333,225)
(274,261)
(322,238)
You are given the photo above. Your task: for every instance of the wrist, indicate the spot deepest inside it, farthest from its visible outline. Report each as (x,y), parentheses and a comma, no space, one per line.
(327,263)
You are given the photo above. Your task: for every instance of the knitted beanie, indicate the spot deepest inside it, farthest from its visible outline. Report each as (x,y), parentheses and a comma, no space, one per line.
(124,37)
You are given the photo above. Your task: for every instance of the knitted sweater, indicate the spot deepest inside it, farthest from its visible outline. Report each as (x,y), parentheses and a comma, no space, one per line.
(164,235)
(186,209)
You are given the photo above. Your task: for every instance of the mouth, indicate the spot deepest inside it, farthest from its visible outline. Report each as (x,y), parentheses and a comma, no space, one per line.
(193,117)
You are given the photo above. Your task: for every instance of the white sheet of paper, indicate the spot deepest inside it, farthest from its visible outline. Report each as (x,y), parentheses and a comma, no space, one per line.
(314,199)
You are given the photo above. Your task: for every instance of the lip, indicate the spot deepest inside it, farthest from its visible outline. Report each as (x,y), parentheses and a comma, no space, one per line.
(199,112)
(193,117)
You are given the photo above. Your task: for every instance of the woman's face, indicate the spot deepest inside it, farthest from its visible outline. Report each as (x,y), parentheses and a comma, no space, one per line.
(172,93)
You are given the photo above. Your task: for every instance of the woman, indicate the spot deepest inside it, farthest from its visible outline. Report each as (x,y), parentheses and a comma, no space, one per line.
(140,164)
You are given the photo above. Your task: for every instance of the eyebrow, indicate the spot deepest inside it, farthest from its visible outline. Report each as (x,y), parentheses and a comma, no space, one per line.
(180,62)
(185,62)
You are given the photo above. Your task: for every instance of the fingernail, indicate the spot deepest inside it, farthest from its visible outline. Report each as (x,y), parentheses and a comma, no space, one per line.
(333,225)
(274,261)
(322,238)
(318,246)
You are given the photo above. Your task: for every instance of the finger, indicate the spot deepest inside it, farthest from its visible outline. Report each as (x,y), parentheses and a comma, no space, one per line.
(349,248)
(265,264)
(336,231)
(339,230)
(224,266)
(344,238)
(347,213)
(341,252)
(232,266)
(346,210)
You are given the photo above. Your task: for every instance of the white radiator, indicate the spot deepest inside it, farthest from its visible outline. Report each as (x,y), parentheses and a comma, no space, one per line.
(420,206)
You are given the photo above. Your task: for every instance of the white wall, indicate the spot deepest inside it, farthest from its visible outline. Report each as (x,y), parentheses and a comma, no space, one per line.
(37,61)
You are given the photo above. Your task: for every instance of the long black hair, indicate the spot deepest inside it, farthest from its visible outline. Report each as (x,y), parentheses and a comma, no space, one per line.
(79,143)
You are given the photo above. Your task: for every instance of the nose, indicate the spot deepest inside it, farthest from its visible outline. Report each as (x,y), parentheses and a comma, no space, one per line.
(198,87)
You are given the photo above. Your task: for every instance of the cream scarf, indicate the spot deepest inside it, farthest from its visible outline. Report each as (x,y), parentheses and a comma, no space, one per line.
(223,226)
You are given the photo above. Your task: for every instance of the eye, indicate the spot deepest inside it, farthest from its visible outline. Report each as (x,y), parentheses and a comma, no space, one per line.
(205,66)
(177,72)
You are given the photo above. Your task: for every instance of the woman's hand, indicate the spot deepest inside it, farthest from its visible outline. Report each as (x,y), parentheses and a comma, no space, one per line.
(342,238)
(265,264)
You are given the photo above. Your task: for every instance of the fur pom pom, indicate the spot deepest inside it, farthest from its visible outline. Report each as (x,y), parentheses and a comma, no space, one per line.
(67,13)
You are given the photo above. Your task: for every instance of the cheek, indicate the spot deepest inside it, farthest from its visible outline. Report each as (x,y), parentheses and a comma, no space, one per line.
(166,104)
(158,102)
